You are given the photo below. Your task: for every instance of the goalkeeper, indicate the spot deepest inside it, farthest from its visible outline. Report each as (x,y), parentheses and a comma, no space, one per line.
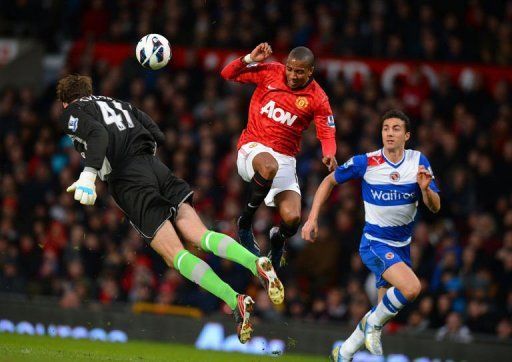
(118,142)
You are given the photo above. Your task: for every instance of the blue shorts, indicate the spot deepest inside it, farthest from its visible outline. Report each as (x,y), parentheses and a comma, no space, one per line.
(378,257)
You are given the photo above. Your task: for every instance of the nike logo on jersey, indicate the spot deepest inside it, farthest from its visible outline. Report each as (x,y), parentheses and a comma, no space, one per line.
(269,87)
(278,114)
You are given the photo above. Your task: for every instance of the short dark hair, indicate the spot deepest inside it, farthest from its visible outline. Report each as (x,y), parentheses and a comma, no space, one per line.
(303,54)
(395,113)
(74,86)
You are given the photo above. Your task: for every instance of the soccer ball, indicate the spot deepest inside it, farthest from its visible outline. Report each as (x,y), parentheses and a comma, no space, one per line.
(153,51)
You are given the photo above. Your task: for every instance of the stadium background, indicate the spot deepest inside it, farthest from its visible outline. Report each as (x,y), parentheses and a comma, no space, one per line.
(455,83)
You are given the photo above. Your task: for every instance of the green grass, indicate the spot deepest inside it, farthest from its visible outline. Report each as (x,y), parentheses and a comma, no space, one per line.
(43,349)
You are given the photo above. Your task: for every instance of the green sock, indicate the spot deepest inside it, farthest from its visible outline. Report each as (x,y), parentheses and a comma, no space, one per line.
(227,248)
(196,270)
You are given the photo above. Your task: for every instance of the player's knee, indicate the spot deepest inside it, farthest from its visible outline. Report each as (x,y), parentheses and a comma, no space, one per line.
(289,229)
(268,168)
(291,217)
(411,290)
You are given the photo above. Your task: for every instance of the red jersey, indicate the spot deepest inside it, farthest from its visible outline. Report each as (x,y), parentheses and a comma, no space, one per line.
(279,114)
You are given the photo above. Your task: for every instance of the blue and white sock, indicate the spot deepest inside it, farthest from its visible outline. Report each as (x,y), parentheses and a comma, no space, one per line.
(392,302)
(355,341)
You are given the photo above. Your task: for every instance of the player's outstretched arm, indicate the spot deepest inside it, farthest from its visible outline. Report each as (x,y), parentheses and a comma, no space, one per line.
(310,228)
(82,128)
(431,198)
(238,70)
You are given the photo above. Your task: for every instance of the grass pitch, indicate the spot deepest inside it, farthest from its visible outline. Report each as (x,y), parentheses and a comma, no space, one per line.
(14,348)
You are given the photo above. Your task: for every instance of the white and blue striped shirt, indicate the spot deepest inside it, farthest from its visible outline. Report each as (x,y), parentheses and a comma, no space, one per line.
(390,193)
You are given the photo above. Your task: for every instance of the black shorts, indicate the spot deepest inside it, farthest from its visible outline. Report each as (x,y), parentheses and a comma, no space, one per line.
(148,193)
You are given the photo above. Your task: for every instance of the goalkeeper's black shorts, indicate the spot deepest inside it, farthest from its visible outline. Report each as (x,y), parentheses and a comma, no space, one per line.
(148,193)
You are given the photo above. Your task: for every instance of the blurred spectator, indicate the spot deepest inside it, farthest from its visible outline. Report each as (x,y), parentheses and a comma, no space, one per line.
(10,280)
(416,323)
(504,330)
(479,318)
(335,308)
(454,330)
(441,311)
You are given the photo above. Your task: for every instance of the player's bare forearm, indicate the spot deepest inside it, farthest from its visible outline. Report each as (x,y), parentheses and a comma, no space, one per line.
(321,195)
(431,199)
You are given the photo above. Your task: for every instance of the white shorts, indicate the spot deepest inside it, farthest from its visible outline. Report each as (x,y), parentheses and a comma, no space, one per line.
(286,177)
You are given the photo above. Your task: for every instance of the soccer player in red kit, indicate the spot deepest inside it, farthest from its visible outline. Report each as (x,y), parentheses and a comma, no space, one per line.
(286,100)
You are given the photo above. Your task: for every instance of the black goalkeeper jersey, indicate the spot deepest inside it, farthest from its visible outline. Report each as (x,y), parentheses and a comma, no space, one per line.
(107,131)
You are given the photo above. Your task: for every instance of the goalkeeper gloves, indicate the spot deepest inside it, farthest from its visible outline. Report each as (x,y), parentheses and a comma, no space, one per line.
(84,188)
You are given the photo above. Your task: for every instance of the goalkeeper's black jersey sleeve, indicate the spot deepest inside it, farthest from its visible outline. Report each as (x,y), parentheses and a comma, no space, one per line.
(107,131)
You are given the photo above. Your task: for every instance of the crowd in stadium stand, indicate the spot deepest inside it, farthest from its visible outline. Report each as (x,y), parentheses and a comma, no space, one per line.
(458,30)
(51,245)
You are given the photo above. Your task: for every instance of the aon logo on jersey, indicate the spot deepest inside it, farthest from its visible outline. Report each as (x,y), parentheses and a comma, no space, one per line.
(278,114)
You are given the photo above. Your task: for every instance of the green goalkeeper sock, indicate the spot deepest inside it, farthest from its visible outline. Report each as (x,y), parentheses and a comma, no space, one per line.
(227,248)
(196,270)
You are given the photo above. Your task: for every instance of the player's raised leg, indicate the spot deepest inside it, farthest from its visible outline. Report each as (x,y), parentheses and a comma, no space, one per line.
(265,168)
(192,229)
(289,206)
(405,288)
(168,245)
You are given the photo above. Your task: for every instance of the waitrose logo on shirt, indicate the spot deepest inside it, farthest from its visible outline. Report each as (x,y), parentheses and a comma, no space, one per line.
(392,195)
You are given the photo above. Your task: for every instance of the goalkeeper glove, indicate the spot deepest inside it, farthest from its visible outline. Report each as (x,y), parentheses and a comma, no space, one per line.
(84,188)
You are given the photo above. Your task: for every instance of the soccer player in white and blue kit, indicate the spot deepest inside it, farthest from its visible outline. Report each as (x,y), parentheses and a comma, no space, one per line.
(393,181)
